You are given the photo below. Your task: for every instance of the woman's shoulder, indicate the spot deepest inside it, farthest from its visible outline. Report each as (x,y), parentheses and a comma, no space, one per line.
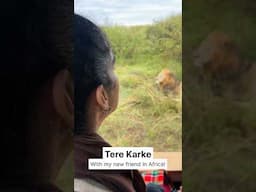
(84,185)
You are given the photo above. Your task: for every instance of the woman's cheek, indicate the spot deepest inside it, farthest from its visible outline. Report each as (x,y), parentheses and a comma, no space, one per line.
(116,95)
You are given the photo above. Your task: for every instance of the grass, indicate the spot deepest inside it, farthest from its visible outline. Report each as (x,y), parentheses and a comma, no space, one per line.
(218,133)
(145,116)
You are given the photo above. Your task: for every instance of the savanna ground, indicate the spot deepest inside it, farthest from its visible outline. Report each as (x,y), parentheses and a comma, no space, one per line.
(218,134)
(145,116)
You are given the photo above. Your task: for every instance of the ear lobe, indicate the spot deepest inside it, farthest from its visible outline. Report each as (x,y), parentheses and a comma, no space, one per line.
(63,98)
(102,97)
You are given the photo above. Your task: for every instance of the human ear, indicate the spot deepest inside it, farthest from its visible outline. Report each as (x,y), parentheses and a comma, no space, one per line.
(63,96)
(102,98)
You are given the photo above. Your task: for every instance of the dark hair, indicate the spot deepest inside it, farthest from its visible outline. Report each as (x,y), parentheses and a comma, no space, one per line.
(167,179)
(93,58)
(37,45)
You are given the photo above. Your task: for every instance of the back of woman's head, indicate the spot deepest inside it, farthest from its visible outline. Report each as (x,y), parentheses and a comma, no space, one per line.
(93,60)
(36,44)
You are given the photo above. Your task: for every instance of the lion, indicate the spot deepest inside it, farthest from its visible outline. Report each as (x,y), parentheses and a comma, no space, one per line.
(222,65)
(168,83)
(218,56)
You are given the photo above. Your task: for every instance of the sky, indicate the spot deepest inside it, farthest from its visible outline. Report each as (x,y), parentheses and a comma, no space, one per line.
(127,12)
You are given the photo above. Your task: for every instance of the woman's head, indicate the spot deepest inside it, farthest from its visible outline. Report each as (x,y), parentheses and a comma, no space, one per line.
(34,80)
(96,85)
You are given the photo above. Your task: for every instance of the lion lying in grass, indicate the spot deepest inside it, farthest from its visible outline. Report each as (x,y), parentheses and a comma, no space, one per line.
(223,67)
(168,83)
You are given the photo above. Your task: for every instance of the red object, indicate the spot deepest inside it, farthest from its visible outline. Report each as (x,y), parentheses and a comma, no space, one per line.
(153,176)
(167,188)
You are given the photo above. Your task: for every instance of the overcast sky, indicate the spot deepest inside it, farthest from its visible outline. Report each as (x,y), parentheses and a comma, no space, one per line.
(127,12)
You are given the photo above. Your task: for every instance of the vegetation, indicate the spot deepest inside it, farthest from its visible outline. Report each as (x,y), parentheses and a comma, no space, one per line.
(145,116)
(218,133)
